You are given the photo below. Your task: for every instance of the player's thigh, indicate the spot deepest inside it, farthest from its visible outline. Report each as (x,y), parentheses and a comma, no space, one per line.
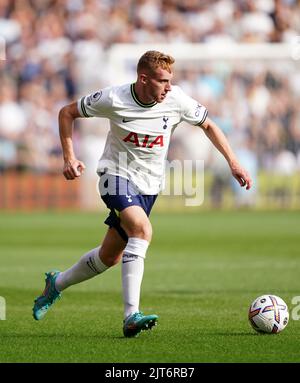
(112,247)
(136,223)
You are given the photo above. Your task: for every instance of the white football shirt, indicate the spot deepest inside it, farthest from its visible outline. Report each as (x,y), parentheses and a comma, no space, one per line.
(138,140)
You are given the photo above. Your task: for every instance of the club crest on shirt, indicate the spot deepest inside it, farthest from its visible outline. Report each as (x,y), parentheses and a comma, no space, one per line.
(165,119)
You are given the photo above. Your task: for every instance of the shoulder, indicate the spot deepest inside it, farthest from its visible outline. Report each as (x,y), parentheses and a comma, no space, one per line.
(178,94)
(120,90)
(118,93)
(112,90)
(179,97)
(108,95)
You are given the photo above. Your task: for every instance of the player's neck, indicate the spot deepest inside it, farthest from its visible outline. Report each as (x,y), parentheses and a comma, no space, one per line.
(141,94)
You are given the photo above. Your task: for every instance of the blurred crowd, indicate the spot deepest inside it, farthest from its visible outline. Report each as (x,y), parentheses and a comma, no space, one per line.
(56,52)
(257,106)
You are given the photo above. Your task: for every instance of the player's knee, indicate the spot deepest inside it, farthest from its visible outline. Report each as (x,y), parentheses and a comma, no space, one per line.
(110,258)
(146,232)
(113,261)
(140,230)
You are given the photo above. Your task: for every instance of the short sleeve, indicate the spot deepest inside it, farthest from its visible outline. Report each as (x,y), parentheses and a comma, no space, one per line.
(191,110)
(97,104)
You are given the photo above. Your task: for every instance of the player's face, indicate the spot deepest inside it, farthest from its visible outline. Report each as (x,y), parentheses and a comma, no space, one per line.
(158,84)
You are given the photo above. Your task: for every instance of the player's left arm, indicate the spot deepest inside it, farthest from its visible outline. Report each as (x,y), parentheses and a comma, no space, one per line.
(218,138)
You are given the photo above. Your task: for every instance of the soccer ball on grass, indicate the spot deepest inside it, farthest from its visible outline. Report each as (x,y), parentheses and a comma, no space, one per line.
(268,314)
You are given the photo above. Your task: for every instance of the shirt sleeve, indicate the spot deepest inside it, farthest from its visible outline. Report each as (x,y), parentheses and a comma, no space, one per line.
(97,104)
(191,110)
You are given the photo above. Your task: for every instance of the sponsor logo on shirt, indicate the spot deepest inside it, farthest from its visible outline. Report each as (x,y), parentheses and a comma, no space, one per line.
(144,142)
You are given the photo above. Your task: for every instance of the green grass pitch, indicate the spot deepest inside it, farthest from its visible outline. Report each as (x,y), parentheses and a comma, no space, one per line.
(202,271)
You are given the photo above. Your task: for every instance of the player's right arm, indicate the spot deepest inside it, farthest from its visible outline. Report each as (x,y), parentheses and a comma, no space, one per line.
(73,168)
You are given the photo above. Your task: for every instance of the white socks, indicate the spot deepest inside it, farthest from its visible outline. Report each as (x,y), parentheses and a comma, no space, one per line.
(87,267)
(90,265)
(132,273)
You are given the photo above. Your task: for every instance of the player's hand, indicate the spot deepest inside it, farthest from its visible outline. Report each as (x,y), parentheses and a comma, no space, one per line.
(241,175)
(73,169)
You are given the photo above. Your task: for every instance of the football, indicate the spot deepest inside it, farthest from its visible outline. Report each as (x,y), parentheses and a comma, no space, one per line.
(268,314)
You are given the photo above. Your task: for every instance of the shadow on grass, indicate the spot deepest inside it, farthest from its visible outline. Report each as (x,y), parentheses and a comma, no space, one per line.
(63,336)
(244,334)
(102,336)
(203,291)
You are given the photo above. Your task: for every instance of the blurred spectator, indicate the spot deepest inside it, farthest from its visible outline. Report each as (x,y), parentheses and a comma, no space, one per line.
(13,121)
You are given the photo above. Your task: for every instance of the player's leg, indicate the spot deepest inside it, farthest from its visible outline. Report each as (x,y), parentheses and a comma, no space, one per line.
(93,263)
(129,211)
(136,223)
(137,226)
(112,247)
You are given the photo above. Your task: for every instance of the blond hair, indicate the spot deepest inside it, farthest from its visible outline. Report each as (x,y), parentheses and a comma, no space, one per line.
(152,60)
